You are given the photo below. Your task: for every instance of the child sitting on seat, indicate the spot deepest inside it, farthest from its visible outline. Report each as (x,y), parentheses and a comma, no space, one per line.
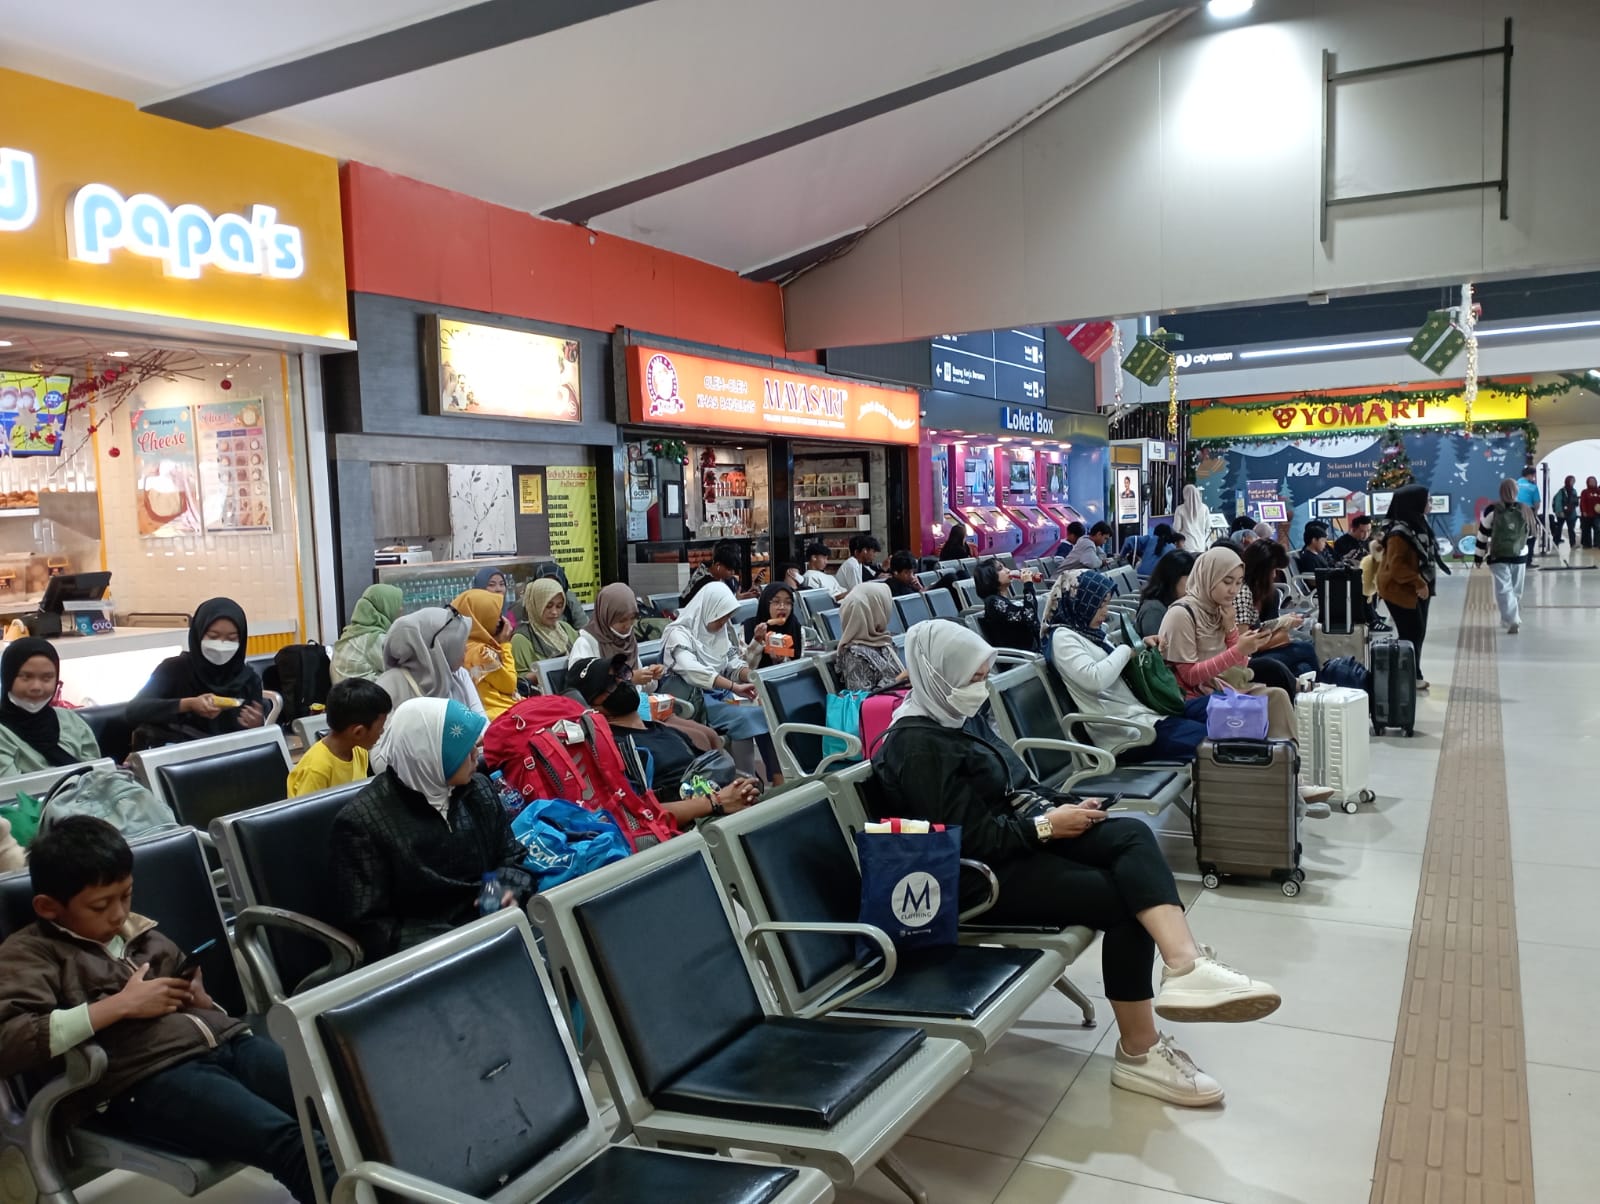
(180,1073)
(1370,564)
(357,711)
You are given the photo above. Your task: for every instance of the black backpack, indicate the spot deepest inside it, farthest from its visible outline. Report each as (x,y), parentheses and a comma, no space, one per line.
(301,673)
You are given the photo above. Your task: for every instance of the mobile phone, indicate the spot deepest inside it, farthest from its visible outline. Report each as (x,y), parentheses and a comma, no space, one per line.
(190,961)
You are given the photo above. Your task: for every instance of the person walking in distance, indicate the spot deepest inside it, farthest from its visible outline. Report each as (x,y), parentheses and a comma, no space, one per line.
(1564,511)
(1589,513)
(1503,543)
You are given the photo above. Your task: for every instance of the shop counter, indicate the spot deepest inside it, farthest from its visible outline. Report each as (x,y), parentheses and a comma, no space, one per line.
(97,670)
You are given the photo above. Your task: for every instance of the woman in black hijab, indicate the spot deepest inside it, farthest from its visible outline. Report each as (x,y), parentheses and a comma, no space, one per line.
(1408,574)
(35,734)
(775,616)
(206,691)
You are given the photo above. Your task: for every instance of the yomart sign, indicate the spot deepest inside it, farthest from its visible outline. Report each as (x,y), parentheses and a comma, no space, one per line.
(1336,415)
(104,207)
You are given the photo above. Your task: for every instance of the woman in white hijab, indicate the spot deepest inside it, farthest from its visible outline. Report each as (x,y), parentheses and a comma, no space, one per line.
(1060,862)
(1193,521)
(699,652)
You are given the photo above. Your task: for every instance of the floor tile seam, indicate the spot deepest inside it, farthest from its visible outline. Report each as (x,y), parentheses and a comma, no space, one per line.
(1595,1072)
(1079,1171)
(1299,919)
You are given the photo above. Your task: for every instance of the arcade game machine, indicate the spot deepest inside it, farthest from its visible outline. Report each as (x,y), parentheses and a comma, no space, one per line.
(972,500)
(1053,492)
(1020,502)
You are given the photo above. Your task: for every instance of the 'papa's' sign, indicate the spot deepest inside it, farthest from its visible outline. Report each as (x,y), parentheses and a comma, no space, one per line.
(1336,415)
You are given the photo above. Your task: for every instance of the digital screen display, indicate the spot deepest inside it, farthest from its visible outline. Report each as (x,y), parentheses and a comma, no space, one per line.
(1006,365)
(1021,478)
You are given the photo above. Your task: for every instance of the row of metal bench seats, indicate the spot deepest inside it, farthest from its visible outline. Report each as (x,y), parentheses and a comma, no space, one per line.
(700,1049)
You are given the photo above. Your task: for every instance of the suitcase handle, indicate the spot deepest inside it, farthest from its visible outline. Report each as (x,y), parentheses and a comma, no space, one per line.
(1242,752)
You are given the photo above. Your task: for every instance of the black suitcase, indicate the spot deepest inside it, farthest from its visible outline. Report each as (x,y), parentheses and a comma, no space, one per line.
(1394,686)
(1340,605)
(1247,812)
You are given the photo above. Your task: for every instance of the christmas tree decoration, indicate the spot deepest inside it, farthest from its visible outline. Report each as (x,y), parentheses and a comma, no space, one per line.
(1394,467)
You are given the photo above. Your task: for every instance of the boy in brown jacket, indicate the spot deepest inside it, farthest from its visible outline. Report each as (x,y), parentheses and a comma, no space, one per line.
(180,1072)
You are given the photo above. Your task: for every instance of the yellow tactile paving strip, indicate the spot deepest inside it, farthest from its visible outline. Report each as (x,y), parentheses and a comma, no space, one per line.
(1455,1123)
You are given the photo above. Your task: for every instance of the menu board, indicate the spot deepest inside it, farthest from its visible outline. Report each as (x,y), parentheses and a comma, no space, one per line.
(235,465)
(571,505)
(497,372)
(1007,365)
(165,481)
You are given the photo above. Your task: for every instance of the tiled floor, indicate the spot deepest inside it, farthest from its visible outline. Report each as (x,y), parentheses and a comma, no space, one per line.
(1038,1121)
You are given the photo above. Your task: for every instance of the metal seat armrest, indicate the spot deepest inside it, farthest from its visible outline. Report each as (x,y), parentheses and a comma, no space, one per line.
(1015,656)
(1127,725)
(869,931)
(683,708)
(83,1067)
(852,744)
(250,933)
(1104,762)
(402,1183)
(994,890)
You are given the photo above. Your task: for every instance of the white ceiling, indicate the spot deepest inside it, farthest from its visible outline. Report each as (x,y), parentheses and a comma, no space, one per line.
(595,105)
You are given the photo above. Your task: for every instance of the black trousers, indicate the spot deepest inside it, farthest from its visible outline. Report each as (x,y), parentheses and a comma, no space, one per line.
(1591,531)
(1102,880)
(1411,623)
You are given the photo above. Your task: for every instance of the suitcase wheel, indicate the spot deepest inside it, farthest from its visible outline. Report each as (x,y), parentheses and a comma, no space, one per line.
(1211,881)
(1291,888)
(1351,806)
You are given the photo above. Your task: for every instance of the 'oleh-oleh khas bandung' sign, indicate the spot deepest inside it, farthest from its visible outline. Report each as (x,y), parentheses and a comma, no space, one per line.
(1300,417)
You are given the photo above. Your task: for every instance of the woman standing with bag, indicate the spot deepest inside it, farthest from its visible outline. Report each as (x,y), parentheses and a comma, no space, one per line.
(1503,542)
(1059,862)
(1409,570)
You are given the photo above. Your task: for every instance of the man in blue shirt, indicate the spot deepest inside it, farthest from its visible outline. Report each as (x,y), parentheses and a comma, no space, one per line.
(1528,489)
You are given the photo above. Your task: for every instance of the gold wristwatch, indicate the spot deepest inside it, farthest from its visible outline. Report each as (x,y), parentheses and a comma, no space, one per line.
(1041,828)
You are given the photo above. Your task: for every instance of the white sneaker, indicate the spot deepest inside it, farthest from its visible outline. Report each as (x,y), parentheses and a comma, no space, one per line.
(1318,810)
(1211,991)
(1167,1073)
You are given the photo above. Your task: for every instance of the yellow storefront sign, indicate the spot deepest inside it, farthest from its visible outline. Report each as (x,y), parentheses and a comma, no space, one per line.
(108,208)
(1299,417)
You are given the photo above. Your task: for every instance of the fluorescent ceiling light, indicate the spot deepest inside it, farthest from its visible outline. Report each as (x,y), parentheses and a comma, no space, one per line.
(1224,10)
(118,355)
(1546,328)
(1321,348)
(5,342)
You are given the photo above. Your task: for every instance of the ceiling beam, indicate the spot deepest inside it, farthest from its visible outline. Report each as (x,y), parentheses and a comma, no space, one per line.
(586,208)
(472,30)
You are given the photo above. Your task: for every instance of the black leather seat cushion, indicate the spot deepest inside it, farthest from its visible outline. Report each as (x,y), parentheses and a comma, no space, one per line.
(286,856)
(624,1174)
(804,871)
(805,1073)
(955,983)
(1133,782)
(799,696)
(456,1072)
(202,789)
(112,731)
(674,977)
(1034,716)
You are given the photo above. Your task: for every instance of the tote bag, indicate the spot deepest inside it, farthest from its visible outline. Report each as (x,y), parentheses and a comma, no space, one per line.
(1149,676)
(910,884)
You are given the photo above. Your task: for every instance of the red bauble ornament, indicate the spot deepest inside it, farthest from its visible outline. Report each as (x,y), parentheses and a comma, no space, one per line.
(114,452)
(111,374)
(226,385)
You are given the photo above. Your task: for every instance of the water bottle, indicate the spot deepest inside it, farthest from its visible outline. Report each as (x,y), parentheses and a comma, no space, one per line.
(510,797)
(489,895)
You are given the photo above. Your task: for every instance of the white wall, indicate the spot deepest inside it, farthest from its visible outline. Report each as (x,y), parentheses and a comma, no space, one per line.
(1189,177)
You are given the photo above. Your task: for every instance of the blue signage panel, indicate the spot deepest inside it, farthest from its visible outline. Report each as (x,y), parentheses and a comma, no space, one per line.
(1006,365)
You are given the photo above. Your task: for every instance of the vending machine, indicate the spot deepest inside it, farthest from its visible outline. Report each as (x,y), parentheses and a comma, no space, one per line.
(1054,492)
(1020,502)
(973,499)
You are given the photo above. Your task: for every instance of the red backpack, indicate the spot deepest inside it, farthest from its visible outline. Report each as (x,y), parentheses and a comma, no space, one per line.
(554,748)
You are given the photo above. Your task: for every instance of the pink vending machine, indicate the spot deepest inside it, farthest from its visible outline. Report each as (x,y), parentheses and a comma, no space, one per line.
(973,499)
(1019,498)
(1052,469)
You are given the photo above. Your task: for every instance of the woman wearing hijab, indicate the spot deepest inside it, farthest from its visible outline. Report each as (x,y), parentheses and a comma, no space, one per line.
(698,650)
(359,649)
(34,733)
(1409,569)
(775,621)
(422,657)
(1059,862)
(492,579)
(1193,520)
(957,545)
(546,635)
(549,568)
(1007,622)
(489,661)
(1075,640)
(206,691)
(865,658)
(412,850)
(1510,570)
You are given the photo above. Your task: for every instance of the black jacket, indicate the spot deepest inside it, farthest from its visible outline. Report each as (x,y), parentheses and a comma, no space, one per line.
(1009,622)
(402,874)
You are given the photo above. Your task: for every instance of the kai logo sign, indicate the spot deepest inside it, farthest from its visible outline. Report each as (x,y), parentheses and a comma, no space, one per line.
(185,238)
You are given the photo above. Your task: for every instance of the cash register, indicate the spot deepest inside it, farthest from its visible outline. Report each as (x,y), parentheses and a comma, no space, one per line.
(73,604)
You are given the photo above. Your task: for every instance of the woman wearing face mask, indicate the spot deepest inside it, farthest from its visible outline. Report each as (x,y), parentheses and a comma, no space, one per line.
(489,660)
(775,622)
(1075,617)
(546,635)
(206,691)
(1059,863)
(411,850)
(865,658)
(34,734)
(699,652)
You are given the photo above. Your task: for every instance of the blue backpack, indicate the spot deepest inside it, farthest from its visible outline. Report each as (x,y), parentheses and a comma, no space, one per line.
(1345,671)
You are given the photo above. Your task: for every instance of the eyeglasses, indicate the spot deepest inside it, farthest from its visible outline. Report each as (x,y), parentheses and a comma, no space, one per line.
(453,615)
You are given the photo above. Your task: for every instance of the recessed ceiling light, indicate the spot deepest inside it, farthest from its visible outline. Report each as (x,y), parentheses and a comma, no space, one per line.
(5,342)
(118,355)
(1224,10)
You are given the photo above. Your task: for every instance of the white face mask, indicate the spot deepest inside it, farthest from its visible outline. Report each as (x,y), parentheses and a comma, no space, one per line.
(33,708)
(969,699)
(622,633)
(219,652)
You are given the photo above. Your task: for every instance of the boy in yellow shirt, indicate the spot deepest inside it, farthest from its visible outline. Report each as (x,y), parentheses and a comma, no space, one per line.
(357,711)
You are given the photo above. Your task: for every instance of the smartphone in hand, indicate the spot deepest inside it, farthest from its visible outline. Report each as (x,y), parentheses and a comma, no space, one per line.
(189,963)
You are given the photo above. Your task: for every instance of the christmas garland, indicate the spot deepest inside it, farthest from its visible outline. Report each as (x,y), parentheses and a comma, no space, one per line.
(1565,383)
(668,449)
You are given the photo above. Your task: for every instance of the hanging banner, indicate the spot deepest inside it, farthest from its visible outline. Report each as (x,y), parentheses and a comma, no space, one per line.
(571,500)
(164,473)
(235,476)
(1340,414)
(1127,495)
